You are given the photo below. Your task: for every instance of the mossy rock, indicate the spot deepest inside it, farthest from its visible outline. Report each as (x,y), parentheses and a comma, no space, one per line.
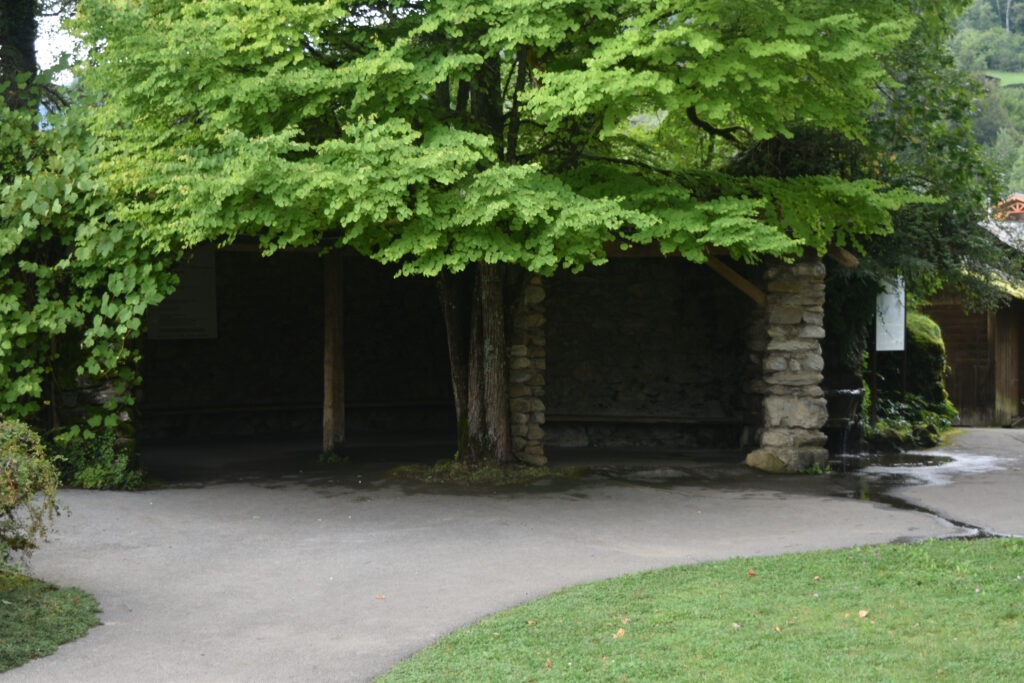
(926,366)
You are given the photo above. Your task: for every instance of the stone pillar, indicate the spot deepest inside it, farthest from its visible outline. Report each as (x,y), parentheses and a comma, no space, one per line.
(754,387)
(527,365)
(795,410)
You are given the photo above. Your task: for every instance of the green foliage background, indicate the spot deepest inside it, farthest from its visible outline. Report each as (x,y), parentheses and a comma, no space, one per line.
(992,47)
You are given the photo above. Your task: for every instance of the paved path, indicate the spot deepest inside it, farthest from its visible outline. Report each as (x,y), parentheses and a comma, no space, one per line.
(982,486)
(306,578)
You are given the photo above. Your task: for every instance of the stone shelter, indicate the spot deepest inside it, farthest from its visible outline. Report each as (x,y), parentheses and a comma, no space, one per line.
(645,352)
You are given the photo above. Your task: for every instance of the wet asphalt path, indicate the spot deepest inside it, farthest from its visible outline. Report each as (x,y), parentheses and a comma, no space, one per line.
(335,575)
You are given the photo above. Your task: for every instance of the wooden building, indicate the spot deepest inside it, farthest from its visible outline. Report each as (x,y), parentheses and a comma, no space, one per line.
(984,349)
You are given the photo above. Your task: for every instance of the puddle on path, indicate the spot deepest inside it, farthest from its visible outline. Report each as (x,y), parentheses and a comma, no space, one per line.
(878,477)
(933,468)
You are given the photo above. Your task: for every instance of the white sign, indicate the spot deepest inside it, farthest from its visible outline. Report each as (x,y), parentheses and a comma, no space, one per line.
(891,317)
(191,311)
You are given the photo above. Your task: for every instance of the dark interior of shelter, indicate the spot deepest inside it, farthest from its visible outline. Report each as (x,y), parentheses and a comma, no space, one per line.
(641,355)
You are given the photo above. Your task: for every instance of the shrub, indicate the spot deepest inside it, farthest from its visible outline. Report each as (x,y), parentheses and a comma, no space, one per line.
(909,422)
(96,462)
(28,490)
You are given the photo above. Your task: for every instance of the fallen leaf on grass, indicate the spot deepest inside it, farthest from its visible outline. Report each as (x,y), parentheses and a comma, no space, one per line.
(863,613)
(547,664)
(751,572)
(618,634)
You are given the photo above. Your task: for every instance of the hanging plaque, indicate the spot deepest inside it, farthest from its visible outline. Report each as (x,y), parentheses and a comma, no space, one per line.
(891,317)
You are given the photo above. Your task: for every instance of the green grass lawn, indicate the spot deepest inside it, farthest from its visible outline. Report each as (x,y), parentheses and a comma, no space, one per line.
(940,610)
(36,618)
(1007,78)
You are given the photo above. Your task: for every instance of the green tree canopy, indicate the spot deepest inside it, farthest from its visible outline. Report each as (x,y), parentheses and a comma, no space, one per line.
(439,133)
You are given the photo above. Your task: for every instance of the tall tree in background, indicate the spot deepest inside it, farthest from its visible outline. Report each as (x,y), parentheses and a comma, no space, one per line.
(1007,9)
(461,139)
(17,48)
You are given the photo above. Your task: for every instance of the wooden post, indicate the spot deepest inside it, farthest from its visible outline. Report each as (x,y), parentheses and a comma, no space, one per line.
(334,353)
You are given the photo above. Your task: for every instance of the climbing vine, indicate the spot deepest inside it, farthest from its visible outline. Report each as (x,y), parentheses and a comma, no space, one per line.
(75,281)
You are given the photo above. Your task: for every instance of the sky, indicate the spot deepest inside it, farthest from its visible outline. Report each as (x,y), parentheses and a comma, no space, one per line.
(50,43)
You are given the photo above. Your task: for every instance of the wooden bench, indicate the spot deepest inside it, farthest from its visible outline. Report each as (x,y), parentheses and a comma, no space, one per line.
(283,407)
(716,421)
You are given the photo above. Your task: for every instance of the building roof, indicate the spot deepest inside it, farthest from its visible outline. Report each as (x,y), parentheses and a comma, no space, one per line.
(1006,221)
(1010,209)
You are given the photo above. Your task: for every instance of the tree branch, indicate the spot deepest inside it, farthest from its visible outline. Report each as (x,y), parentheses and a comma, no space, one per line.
(513,117)
(727,133)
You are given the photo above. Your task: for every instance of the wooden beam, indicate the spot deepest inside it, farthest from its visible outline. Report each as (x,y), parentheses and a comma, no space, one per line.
(334,353)
(738,281)
(843,257)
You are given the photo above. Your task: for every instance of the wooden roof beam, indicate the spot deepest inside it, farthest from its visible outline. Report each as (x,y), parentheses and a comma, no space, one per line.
(738,281)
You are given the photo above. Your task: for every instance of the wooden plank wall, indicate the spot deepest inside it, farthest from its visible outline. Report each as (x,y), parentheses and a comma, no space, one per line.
(971,382)
(1006,348)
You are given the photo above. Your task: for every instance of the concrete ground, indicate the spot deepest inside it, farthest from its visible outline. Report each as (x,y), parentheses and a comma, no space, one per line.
(335,574)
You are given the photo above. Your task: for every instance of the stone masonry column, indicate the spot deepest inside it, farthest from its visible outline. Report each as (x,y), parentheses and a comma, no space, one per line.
(794,404)
(527,365)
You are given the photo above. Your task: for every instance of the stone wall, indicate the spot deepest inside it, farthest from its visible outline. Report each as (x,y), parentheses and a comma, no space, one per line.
(645,353)
(795,409)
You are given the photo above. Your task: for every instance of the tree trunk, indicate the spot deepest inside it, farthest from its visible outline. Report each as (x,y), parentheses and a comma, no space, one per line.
(474,316)
(17,46)
(455,302)
(495,361)
(479,448)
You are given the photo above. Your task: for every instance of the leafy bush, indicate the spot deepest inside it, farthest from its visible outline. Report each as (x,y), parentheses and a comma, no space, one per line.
(97,462)
(909,422)
(28,490)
